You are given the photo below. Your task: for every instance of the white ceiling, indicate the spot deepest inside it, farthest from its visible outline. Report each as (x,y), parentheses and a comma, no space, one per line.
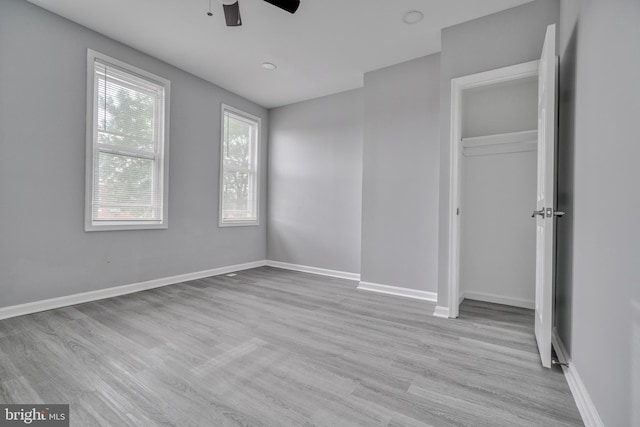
(324,48)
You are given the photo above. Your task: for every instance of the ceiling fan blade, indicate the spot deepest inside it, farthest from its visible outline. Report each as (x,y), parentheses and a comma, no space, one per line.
(232,14)
(289,5)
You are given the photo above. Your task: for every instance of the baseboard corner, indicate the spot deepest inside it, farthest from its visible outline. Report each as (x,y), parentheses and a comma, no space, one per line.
(441,311)
(313,270)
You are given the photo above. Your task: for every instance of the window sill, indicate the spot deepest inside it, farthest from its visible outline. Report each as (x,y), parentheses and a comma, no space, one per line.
(238,223)
(111,226)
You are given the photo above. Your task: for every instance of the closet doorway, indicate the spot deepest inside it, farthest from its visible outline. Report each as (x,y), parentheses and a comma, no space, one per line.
(498,191)
(492,143)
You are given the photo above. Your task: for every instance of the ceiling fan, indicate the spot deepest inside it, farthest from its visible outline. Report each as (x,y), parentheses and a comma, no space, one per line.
(232,9)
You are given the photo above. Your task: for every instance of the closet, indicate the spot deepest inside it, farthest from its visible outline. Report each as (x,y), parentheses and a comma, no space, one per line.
(498,192)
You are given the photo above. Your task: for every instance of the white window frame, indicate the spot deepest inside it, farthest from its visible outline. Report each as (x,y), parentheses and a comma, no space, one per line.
(160,157)
(256,175)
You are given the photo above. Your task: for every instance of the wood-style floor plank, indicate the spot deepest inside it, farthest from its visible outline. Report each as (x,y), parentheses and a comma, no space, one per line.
(271,347)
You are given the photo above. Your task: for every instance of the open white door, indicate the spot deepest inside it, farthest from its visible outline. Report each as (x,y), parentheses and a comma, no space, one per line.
(545,213)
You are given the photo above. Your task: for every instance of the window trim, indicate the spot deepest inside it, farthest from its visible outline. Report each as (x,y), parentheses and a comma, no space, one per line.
(91,151)
(258,120)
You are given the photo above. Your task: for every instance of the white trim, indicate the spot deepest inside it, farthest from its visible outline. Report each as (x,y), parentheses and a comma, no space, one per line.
(514,72)
(441,311)
(504,143)
(50,304)
(498,299)
(313,270)
(91,151)
(501,138)
(398,291)
(492,150)
(588,411)
(239,222)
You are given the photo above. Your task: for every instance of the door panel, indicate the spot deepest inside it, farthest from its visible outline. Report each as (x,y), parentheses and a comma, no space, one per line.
(545,218)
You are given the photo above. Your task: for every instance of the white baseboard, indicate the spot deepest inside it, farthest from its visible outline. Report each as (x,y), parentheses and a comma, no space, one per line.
(314,270)
(441,311)
(398,291)
(498,299)
(50,304)
(588,411)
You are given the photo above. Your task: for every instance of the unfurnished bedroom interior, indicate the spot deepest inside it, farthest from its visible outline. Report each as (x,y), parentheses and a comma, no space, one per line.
(319,213)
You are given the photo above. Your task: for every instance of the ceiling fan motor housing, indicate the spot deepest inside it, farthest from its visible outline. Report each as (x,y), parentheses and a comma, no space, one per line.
(232,9)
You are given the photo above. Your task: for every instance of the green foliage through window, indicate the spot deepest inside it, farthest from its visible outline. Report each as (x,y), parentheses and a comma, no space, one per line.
(128,146)
(239,165)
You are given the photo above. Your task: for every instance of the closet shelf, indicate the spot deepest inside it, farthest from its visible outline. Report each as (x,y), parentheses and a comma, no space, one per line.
(503,143)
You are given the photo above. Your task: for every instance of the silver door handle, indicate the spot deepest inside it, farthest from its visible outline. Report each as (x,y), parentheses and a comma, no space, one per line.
(558,213)
(540,212)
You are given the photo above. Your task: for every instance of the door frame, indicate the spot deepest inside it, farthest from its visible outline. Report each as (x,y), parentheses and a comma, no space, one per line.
(458,85)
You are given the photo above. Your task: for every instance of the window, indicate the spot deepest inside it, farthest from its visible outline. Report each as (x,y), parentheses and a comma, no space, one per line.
(127,146)
(239,168)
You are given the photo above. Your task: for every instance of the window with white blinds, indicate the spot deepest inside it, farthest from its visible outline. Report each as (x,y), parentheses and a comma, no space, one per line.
(127,146)
(239,168)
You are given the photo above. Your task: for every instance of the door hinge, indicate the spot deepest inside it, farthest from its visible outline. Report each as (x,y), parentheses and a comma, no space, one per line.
(458,211)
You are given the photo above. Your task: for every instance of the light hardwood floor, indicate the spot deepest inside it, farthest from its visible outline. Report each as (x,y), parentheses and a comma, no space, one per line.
(272,347)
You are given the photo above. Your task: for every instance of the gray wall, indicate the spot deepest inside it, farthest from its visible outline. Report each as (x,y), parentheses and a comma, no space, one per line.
(400,175)
(315,182)
(500,108)
(598,285)
(505,38)
(44,251)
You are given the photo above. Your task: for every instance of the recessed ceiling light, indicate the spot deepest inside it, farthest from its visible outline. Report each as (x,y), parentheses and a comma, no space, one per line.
(413,17)
(269,66)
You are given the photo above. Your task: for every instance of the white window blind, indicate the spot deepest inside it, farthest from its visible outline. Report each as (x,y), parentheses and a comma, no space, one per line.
(239,168)
(128,164)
